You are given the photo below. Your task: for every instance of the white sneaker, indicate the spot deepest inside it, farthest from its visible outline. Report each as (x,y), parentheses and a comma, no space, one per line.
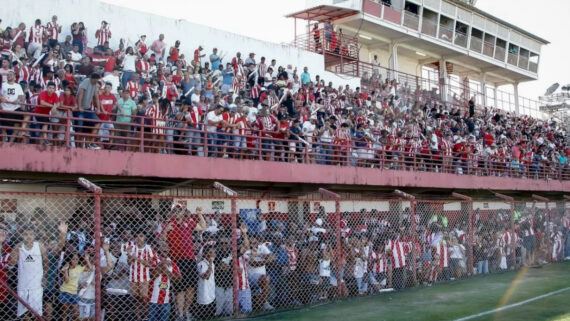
(93,146)
(267,306)
(227,156)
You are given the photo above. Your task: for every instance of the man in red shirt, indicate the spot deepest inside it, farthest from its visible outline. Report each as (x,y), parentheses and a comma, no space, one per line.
(178,234)
(175,52)
(108,104)
(198,57)
(48,102)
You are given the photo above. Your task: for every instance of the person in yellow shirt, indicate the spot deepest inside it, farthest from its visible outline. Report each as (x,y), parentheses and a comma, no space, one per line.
(70,272)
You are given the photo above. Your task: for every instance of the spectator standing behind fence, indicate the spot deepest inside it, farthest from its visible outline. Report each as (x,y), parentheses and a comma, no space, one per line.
(206,294)
(70,272)
(30,255)
(178,234)
(141,257)
(87,97)
(164,272)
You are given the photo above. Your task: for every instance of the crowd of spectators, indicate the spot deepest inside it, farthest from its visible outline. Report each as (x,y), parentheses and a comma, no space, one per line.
(242,107)
(177,264)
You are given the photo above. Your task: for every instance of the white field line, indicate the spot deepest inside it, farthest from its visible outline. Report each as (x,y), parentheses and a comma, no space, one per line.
(513,305)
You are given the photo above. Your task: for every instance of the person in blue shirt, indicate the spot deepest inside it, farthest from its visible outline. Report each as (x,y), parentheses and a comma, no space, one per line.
(305,76)
(360,142)
(215,59)
(228,76)
(277,272)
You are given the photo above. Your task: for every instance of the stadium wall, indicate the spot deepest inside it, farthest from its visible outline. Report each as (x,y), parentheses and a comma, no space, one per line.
(130,24)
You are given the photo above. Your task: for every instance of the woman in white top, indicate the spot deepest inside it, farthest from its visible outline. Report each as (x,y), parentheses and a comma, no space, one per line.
(129,66)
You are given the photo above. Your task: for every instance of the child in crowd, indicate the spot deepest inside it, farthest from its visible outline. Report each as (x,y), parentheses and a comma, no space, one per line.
(206,296)
(163,273)
(70,272)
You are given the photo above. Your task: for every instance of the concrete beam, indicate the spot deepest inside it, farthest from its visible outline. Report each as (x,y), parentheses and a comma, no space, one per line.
(36,159)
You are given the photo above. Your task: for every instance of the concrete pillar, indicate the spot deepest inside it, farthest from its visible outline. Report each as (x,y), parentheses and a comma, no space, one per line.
(484,88)
(516,94)
(496,101)
(393,51)
(443,80)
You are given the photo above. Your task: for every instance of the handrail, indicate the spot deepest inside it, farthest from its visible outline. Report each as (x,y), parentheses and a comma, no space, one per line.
(179,138)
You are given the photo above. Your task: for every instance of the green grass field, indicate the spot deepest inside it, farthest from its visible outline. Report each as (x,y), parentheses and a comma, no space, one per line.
(456,300)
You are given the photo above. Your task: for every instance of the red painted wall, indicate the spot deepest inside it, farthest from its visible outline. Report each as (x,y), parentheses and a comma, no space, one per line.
(41,159)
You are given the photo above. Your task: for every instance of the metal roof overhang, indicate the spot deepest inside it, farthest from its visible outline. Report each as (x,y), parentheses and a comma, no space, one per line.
(323,13)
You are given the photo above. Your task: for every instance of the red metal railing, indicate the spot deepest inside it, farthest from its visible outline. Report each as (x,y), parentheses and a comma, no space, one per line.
(177,137)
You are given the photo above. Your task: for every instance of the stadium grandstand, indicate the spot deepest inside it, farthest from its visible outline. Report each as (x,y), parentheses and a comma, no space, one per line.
(172,171)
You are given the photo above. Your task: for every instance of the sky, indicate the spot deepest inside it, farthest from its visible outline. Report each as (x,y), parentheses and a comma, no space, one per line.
(264,19)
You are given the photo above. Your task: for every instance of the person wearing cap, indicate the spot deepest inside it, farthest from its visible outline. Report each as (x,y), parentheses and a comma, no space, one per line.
(177,232)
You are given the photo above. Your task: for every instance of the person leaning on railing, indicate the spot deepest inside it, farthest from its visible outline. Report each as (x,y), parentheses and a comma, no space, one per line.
(11,99)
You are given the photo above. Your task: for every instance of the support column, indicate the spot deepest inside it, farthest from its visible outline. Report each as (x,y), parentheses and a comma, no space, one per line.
(393,50)
(496,101)
(443,80)
(516,94)
(484,89)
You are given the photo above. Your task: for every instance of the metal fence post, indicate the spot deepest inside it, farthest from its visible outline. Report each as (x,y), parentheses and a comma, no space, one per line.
(413,233)
(470,236)
(231,193)
(546,236)
(511,225)
(97,191)
(338,234)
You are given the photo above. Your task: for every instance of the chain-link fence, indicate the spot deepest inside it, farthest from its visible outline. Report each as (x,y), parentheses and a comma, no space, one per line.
(132,257)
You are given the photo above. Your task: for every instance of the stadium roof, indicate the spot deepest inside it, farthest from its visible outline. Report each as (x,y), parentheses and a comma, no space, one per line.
(503,22)
(322,13)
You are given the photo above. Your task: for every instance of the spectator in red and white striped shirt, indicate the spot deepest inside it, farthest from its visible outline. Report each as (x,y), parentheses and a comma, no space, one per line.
(141,258)
(164,271)
(53,31)
(395,249)
(103,35)
(36,40)
(378,262)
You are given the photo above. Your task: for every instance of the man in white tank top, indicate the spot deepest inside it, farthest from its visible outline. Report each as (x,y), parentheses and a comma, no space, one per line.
(30,255)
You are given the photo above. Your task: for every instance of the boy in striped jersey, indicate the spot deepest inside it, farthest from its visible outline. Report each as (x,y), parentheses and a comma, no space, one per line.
(164,271)
(141,258)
